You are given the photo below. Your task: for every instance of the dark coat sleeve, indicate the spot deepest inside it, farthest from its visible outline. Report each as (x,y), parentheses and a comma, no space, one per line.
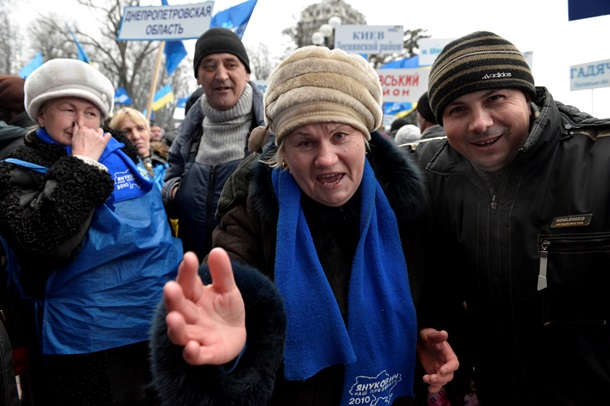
(8,385)
(252,380)
(45,216)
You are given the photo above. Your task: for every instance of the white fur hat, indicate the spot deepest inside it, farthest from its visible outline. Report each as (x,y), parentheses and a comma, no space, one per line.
(317,85)
(67,78)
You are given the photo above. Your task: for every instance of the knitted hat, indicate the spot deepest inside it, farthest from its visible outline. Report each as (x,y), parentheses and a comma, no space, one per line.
(478,61)
(219,40)
(396,124)
(317,85)
(68,78)
(424,110)
(11,93)
(407,133)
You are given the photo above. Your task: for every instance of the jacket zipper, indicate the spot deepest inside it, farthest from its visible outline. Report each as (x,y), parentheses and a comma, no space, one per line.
(544,258)
(563,244)
(209,205)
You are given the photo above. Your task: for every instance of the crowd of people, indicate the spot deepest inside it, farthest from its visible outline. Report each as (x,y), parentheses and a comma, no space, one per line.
(284,250)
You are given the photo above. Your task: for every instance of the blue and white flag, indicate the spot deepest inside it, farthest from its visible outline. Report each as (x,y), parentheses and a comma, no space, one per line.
(35,63)
(121,97)
(235,18)
(181,102)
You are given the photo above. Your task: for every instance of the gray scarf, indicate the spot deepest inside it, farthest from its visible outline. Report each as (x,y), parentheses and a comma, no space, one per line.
(225,133)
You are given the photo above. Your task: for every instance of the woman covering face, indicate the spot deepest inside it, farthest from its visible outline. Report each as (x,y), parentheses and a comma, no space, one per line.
(89,242)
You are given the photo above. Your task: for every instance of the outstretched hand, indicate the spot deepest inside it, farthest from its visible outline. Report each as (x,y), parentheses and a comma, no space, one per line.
(437,358)
(208,320)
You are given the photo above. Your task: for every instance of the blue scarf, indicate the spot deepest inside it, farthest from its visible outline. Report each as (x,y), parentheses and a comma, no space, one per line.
(129,183)
(378,345)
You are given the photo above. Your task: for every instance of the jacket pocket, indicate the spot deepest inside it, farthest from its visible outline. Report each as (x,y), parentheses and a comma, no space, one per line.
(574,278)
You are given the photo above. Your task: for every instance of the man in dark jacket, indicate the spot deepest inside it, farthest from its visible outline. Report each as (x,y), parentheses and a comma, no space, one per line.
(426,121)
(521,203)
(213,139)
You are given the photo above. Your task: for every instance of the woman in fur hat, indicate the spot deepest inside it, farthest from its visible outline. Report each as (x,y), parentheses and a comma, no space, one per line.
(90,247)
(331,213)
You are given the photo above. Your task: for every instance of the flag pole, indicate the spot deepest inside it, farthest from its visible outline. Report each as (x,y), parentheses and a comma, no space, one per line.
(153,83)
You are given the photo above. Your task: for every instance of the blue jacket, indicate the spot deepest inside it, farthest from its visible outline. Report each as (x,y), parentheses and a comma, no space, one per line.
(93,267)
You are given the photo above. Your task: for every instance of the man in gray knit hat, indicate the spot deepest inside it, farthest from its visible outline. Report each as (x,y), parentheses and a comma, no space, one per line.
(213,139)
(521,202)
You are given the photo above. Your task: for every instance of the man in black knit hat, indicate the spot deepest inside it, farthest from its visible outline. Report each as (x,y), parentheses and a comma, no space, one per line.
(520,198)
(213,138)
(426,121)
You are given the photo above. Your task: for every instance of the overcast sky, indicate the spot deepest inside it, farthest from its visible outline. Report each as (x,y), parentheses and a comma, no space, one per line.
(540,26)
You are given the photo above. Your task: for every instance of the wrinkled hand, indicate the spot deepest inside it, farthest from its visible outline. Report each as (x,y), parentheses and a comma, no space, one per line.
(208,320)
(437,358)
(89,142)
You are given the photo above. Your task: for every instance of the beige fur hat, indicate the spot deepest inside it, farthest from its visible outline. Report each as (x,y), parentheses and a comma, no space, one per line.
(64,78)
(317,85)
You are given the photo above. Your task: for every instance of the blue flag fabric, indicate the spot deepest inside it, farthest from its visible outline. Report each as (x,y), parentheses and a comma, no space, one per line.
(579,9)
(174,52)
(181,102)
(82,55)
(235,18)
(35,63)
(122,97)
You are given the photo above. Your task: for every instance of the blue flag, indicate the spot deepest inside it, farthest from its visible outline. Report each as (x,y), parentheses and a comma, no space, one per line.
(121,96)
(35,63)
(235,18)
(579,9)
(174,52)
(181,102)
(82,55)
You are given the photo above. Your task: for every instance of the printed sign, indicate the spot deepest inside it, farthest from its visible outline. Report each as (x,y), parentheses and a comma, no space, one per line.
(369,39)
(165,23)
(429,48)
(403,85)
(590,75)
